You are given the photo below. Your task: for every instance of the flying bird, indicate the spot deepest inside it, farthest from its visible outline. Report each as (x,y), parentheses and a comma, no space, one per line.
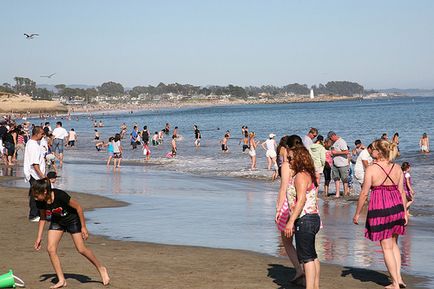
(48,76)
(30,36)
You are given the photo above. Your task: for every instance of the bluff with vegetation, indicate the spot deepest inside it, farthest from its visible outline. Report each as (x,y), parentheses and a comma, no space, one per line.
(113,90)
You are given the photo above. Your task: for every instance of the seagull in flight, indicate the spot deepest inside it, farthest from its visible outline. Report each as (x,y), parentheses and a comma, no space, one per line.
(48,76)
(30,36)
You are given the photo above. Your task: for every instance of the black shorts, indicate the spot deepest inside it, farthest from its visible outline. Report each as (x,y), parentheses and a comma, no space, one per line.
(327,174)
(73,227)
(71,143)
(245,147)
(306,229)
(10,148)
(224,147)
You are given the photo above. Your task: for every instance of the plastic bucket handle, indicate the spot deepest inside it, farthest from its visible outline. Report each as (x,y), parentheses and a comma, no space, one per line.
(19,282)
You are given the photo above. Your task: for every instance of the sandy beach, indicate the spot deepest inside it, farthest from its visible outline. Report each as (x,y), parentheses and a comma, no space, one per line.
(146,265)
(24,104)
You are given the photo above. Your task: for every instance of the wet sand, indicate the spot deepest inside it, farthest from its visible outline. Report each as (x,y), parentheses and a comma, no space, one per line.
(147,265)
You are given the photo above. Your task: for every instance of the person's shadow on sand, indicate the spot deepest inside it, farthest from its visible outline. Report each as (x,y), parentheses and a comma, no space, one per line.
(366,275)
(80,278)
(281,276)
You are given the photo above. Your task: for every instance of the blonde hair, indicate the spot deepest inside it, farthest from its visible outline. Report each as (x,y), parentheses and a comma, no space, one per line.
(387,149)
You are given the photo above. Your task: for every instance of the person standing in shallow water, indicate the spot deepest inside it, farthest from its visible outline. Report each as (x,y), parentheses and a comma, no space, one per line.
(304,221)
(424,143)
(252,150)
(65,215)
(387,213)
(282,210)
(197,136)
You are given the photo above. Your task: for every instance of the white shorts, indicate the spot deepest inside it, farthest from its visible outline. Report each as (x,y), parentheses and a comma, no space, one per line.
(424,148)
(359,176)
(319,170)
(252,152)
(271,154)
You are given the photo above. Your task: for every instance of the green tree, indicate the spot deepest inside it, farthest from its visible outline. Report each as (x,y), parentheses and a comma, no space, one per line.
(111,89)
(24,85)
(60,88)
(6,87)
(42,93)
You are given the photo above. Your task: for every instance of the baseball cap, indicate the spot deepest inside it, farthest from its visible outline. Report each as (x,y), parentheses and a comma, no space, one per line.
(271,135)
(330,134)
(52,175)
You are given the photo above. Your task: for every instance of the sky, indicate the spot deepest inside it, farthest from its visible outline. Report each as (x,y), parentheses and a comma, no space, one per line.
(379,44)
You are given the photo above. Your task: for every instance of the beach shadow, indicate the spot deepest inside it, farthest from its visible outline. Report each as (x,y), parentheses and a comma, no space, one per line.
(281,276)
(80,278)
(366,275)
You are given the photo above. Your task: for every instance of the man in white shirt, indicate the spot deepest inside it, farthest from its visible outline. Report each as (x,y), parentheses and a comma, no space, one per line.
(308,139)
(59,134)
(363,161)
(34,167)
(340,170)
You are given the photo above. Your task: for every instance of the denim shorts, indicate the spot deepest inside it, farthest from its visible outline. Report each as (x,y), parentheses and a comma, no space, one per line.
(306,229)
(57,146)
(73,227)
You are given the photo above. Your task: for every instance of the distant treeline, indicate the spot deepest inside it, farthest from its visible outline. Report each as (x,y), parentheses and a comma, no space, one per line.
(113,89)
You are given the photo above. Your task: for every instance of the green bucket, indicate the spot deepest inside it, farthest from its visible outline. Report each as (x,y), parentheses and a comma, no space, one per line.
(8,280)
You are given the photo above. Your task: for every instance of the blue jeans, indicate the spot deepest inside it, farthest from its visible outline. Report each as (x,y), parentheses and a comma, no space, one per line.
(306,229)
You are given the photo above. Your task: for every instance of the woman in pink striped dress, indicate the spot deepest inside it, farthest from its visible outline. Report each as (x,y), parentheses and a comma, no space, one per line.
(387,215)
(282,210)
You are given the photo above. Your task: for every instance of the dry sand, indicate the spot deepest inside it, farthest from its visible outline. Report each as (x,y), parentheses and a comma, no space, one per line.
(145,265)
(23,104)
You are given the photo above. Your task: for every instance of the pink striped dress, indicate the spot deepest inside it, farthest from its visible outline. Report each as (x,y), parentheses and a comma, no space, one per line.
(385,211)
(284,211)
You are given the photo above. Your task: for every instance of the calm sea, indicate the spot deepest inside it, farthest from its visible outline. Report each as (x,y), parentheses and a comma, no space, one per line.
(204,197)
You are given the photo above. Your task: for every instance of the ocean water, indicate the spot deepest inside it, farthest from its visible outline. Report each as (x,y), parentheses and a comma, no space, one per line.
(204,197)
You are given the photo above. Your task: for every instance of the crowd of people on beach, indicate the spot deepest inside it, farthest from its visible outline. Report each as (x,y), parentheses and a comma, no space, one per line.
(297,208)
(300,163)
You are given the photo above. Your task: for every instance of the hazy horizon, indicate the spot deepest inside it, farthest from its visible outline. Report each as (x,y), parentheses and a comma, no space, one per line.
(378,44)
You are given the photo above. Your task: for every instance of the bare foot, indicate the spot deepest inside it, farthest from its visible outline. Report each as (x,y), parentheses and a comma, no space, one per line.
(104,276)
(59,284)
(392,286)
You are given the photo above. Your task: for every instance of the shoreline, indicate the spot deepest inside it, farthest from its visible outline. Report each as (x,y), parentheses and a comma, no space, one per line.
(155,265)
(151,106)
(24,105)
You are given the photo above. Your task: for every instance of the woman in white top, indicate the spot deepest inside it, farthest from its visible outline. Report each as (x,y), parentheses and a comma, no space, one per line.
(252,150)
(270,146)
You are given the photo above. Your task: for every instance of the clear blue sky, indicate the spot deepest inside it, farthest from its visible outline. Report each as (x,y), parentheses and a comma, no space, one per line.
(380,44)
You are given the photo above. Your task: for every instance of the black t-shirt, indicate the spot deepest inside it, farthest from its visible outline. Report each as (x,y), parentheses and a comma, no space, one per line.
(145,135)
(59,210)
(197,133)
(8,138)
(3,131)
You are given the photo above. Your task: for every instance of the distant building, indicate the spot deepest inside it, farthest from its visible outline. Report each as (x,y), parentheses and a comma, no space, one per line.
(312,96)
